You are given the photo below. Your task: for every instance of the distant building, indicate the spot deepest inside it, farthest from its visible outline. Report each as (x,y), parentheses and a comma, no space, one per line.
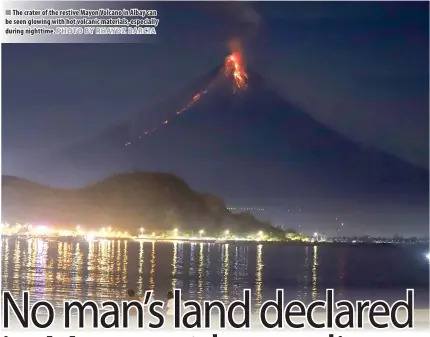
(259,213)
(245,209)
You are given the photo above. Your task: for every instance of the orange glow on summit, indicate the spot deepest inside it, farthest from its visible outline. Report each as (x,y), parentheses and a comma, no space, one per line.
(234,66)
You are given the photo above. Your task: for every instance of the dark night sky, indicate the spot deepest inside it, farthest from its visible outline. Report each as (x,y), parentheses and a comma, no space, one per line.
(361,68)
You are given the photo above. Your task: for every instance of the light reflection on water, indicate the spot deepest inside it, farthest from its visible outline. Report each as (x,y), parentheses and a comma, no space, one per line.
(314,273)
(106,269)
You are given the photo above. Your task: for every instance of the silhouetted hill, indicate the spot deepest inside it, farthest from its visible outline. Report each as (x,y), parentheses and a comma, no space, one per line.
(157,201)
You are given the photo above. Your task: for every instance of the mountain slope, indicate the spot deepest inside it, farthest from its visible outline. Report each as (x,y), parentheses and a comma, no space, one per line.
(249,143)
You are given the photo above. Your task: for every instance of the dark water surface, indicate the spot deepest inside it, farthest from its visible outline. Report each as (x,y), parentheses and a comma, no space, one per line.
(101,270)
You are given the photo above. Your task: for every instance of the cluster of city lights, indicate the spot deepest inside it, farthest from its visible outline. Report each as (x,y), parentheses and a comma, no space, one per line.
(175,234)
(109,233)
(47,231)
(246,209)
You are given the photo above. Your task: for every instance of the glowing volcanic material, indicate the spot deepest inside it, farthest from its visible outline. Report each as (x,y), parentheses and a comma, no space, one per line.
(234,67)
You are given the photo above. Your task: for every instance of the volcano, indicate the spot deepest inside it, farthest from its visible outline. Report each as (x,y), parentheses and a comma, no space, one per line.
(247,143)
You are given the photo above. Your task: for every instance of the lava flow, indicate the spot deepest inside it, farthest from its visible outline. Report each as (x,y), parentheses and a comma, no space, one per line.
(234,67)
(195,98)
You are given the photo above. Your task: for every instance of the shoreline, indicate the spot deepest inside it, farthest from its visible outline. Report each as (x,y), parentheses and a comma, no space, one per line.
(213,241)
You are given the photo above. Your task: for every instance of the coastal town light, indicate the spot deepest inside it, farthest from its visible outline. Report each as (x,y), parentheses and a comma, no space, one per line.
(90,236)
(42,229)
(142,230)
(227,232)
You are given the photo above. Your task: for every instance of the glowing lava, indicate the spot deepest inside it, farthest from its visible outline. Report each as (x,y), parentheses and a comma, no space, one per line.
(234,67)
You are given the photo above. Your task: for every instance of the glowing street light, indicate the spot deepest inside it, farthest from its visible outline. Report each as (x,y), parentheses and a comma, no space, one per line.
(109,228)
(142,230)
(90,237)
(42,229)
(260,233)
(315,234)
(227,232)
(201,232)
